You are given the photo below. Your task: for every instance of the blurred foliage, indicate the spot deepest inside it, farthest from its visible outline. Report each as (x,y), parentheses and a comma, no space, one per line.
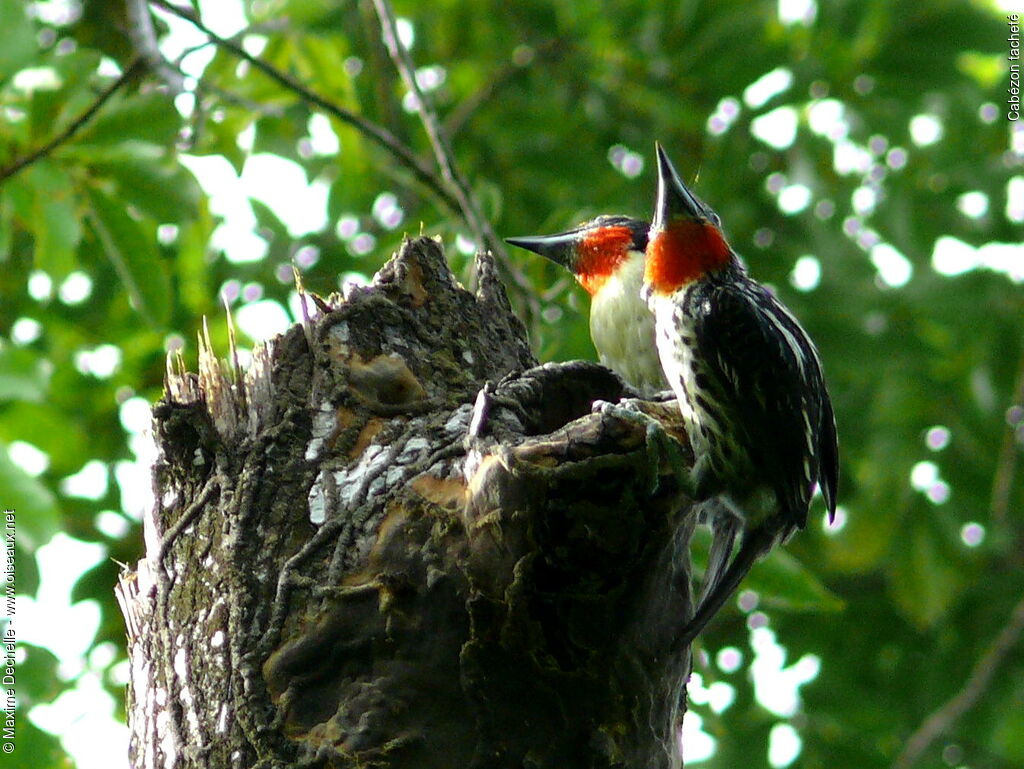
(552,110)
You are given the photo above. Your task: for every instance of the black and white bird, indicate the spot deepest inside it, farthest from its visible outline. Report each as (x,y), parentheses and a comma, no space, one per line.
(749,384)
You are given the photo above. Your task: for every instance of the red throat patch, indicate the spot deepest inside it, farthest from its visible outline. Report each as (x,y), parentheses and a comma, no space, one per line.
(599,254)
(682,253)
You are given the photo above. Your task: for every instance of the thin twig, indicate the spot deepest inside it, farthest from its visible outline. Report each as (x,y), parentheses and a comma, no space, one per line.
(479,225)
(940,721)
(388,141)
(442,150)
(380,135)
(204,86)
(74,126)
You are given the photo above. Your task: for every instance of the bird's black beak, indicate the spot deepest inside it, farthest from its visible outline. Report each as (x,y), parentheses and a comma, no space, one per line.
(675,200)
(560,248)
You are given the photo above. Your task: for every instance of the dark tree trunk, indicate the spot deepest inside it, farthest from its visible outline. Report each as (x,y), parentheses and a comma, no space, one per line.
(355,561)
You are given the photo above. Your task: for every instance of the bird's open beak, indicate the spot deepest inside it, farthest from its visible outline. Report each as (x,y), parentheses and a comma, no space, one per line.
(675,200)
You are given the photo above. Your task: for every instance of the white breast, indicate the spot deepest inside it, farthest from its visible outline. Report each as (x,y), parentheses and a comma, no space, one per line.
(675,336)
(622,328)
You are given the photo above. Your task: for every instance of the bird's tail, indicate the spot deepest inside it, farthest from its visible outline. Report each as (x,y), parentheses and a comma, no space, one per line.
(725,525)
(718,586)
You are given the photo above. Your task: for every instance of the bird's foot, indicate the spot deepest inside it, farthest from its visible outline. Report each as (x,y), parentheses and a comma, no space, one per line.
(661,448)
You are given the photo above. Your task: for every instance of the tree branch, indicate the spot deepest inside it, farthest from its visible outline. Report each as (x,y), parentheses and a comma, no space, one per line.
(454,195)
(380,135)
(143,36)
(479,225)
(74,126)
(442,150)
(940,721)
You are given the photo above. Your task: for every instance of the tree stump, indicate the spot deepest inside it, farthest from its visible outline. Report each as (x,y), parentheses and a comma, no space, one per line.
(366,554)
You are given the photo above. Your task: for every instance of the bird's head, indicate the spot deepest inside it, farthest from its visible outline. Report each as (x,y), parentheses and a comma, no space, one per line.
(686,240)
(594,250)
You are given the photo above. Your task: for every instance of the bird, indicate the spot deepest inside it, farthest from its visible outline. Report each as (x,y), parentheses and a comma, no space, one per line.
(749,384)
(606,256)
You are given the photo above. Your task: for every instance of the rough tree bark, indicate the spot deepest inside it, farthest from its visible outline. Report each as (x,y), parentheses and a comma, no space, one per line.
(359,559)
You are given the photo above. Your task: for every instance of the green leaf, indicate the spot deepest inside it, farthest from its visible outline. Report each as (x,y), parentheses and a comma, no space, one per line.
(35,508)
(38,681)
(925,580)
(149,117)
(1008,732)
(55,220)
(17,38)
(6,227)
(192,263)
(267,218)
(164,191)
(51,111)
(276,133)
(780,580)
(783,582)
(24,375)
(49,429)
(28,568)
(95,582)
(35,748)
(987,70)
(18,197)
(131,247)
